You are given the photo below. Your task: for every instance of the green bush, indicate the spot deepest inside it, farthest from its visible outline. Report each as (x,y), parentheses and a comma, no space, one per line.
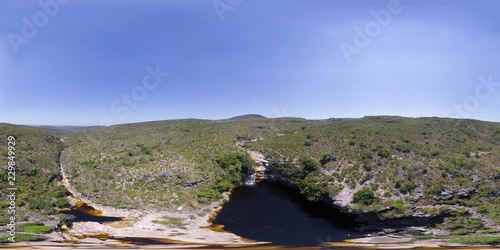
(65,219)
(461,162)
(398,206)
(424,153)
(459,232)
(309,164)
(21,237)
(366,154)
(407,187)
(237,167)
(310,190)
(459,211)
(435,152)
(128,162)
(57,191)
(402,148)
(39,205)
(35,228)
(383,152)
(364,196)
(482,209)
(479,240)
(487,189)
(61,203)
(204,200)
(327,157)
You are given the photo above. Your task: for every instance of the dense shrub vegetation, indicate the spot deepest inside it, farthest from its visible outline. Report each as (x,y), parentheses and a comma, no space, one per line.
(37,172)
(396,158)
(382,162)
(365,196)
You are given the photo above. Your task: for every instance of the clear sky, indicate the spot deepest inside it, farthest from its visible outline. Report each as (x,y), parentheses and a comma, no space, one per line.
(91,62)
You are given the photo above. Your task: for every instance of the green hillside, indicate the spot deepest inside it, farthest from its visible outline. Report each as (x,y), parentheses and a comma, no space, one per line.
(390,166)
(37,172)
(402,163)
(161,164)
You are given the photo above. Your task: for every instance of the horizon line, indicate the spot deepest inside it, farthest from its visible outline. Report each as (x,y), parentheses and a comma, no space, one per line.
(191,118)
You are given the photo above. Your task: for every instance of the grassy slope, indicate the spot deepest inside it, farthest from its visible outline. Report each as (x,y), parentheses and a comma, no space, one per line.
(37,153)
(397,157)
(151,164)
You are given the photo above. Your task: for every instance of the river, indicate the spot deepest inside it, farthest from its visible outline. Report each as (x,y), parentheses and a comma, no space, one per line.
(279,214)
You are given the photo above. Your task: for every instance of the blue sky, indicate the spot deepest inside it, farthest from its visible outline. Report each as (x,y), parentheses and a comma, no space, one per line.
(84,62)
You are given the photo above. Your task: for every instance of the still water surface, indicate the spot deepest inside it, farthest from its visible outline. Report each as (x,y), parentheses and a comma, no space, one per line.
(281,215)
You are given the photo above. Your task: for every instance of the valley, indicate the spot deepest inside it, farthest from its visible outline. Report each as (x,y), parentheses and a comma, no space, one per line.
(416,178)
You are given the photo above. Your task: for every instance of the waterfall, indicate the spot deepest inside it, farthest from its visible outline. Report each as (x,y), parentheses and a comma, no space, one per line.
(250,180)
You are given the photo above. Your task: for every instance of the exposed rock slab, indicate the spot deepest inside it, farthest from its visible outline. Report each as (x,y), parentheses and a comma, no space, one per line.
(381,240)
(438,232)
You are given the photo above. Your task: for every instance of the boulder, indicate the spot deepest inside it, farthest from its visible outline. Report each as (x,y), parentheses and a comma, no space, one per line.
(475,178)
(414,230)
(389,230)
(466,192)
(418,196)
(445,195)
(439,232)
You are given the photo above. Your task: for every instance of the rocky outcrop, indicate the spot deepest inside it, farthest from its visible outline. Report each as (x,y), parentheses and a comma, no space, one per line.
(438,232)
(449,194)
(418,195)
(381,240)
(466,192)
(445,195)
(194,183)
(262,169)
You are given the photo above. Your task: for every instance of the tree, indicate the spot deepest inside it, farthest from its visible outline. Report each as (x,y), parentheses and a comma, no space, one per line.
(364,196)
(310,189)
(327,157)
(61,203)
(407,187)
(309,164)
(238,165)
(424,153)
(383,152)
(247,163)
(366,154)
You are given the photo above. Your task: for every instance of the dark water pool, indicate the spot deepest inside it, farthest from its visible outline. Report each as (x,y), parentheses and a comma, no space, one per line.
(280,214)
